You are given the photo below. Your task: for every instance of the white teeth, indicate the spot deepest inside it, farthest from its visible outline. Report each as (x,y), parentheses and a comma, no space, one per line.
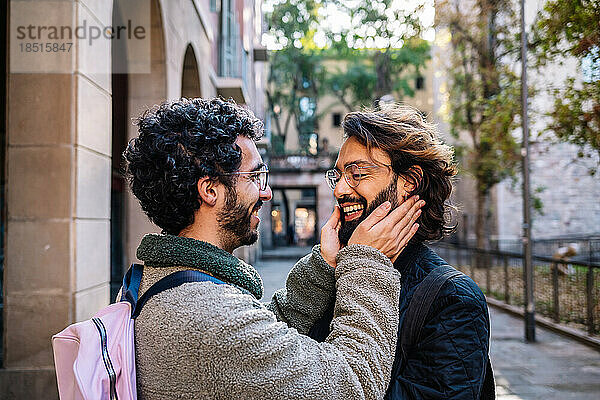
(352,208)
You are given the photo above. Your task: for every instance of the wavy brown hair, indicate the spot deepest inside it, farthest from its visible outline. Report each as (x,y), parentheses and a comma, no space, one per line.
(410,141)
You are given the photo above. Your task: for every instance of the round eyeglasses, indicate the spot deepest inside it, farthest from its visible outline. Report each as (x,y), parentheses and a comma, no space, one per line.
(352,175)
(259,177)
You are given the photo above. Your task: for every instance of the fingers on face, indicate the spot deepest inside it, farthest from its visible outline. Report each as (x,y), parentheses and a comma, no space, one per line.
(402,214)
(376,216)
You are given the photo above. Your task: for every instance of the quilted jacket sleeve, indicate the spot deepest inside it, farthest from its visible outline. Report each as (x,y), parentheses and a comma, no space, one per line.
(450,360)
(309,291)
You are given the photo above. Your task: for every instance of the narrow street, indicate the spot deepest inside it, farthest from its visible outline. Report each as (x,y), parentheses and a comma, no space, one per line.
(554,368)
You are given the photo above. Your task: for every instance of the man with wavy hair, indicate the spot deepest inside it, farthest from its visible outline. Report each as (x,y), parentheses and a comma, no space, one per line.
(198,175)
(390,155)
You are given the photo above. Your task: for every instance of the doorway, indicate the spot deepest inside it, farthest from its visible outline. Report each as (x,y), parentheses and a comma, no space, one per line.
(294,217)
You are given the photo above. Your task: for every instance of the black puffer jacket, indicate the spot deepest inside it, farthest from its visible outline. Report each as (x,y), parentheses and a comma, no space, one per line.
(449,360)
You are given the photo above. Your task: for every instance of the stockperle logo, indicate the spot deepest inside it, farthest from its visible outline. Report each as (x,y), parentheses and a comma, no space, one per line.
(65,36)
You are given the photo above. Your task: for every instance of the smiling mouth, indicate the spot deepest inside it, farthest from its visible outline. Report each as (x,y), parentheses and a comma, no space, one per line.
(352,211)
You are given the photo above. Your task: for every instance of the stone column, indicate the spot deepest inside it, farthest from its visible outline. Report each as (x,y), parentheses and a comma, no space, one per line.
(57,266)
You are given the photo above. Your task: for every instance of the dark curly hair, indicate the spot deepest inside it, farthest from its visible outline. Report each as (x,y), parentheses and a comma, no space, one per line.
(404,134)
(180,142)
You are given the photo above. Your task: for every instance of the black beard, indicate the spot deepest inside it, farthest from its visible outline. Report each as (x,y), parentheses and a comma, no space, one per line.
(235,220)
(390,193)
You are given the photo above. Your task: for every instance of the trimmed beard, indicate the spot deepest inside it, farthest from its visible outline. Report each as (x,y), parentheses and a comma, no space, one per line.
(389,193)
(234,220)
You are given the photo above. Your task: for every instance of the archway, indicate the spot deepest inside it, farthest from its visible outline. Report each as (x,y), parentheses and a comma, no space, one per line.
(190,78)
(120,114)
(132,93)
(145,90)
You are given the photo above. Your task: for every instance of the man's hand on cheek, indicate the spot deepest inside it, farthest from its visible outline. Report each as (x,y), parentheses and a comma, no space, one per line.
(389,232)
(330,243)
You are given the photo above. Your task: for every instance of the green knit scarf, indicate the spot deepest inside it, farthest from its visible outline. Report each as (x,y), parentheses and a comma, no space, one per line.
(170,251)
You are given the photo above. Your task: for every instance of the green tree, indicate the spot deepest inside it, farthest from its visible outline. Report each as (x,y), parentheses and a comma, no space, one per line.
(386,33)
(296,69)
(355,82)
(360,72)
(571,29)
(484,94)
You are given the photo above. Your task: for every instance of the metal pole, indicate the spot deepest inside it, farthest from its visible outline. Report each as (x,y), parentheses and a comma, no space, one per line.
(527,265)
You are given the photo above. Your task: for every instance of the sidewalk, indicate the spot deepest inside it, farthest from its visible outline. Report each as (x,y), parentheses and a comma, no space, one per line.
(554,368)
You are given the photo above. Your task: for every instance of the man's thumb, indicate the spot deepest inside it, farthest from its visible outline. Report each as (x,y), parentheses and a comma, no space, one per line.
(335,217)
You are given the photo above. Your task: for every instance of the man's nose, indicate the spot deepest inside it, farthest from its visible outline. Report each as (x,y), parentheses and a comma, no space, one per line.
(266,195)
(342,188)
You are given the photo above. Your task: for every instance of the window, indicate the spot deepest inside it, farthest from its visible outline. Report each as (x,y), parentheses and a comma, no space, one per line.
(215,5)
(229,64)
(420,83)
(337,119)
(306,124)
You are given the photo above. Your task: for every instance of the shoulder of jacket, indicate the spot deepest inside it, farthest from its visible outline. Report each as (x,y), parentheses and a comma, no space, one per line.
(461,290)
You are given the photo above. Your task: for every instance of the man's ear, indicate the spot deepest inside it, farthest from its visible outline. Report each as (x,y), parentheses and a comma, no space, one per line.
(207,190)
(412,178)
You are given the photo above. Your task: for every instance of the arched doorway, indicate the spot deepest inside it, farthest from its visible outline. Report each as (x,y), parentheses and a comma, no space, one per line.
(132,93)
(145,90)
(120,114)
(190,78)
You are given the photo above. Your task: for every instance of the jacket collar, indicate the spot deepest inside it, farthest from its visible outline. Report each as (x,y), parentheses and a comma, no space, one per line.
(170,251)
(409,256)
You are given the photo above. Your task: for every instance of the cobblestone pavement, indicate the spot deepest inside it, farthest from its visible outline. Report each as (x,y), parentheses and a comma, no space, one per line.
(553,368)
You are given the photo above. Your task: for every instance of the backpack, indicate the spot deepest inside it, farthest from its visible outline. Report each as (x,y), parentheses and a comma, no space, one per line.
(417,310)
(95,358)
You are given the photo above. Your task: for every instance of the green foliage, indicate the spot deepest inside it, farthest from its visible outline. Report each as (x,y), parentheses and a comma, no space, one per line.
(576,116)
(296,69)
(354,80)
(566,29)
(391,29)
(484,92)
(357,75)
(536,201)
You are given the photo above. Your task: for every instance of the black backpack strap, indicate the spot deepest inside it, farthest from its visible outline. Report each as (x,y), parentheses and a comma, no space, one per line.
(171,281)
(133,278)
(418,308)
(421,302)
(131,284)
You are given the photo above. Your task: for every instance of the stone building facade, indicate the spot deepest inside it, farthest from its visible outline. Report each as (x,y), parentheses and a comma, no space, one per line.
(67,214)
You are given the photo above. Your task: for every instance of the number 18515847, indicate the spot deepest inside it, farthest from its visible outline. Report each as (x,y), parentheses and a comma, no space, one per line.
(49,47)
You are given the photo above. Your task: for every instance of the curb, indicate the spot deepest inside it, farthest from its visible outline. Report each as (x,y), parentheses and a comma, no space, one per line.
(578,335)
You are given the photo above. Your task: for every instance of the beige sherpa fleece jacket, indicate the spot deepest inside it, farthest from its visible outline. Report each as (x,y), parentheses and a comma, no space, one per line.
(207,341)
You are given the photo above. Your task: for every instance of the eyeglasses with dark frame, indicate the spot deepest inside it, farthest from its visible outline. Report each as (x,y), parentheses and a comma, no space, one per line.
(259,177)
(352,175)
